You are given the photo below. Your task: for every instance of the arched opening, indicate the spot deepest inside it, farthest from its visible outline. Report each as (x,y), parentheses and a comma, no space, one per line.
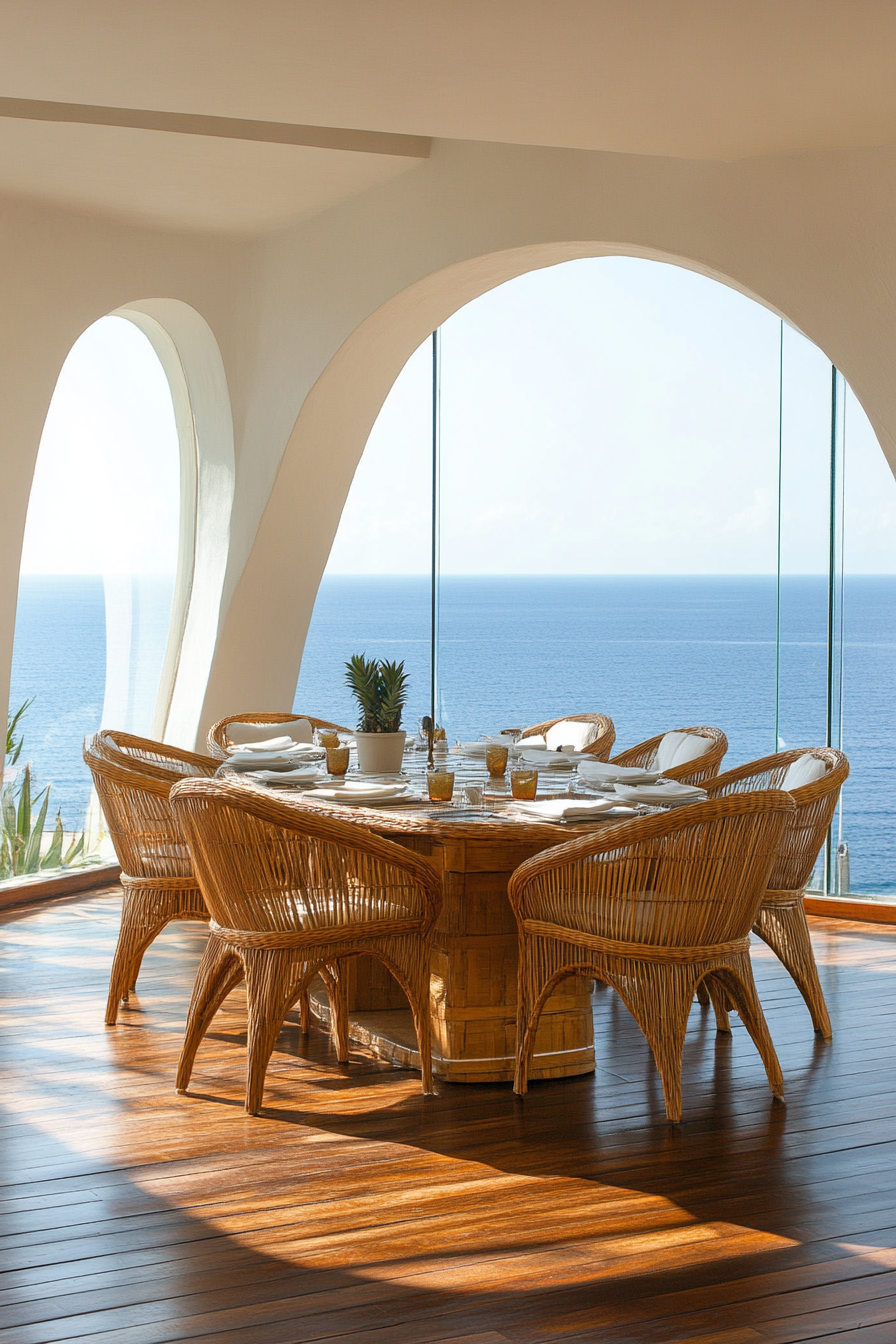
(650,505)
(102,547)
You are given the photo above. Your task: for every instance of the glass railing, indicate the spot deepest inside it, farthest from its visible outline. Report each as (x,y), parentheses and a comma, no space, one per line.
(651,498)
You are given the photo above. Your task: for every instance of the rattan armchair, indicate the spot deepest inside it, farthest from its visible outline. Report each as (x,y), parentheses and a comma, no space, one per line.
(653,908)
(152,758)
(781,921)
(602,745)
(291,891)
(697,771)
(156,872)
(218,740)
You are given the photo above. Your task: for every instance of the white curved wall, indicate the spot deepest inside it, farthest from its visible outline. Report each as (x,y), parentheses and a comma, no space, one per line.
(313,325)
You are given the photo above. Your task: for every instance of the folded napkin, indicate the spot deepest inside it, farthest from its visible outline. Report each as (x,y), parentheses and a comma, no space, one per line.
(603,772)
(547,760)
(568,809)
(670,794)
(351,793)
(478,748)
(269,744)
(262,760)
(305,777)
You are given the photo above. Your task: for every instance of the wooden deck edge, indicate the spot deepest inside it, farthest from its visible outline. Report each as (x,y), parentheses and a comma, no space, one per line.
(46,888)
(843,907)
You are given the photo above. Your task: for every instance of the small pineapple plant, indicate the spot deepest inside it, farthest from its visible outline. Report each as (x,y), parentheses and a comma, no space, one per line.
(380,689)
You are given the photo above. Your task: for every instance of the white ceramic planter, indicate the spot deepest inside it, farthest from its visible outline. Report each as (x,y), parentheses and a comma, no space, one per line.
(380,753)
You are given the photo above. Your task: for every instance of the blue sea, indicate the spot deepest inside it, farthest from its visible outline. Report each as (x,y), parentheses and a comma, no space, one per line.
(653,652)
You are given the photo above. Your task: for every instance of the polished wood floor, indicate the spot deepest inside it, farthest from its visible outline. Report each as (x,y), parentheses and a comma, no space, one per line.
(353,1209)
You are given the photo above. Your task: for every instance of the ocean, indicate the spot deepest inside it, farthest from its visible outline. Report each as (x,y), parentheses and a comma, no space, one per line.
(652,652)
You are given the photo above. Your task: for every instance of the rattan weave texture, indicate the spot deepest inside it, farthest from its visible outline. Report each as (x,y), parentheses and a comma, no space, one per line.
(698,771)
(133,781)
(781,921)
(217,735)
(293,891)
(600,748)
(654,908)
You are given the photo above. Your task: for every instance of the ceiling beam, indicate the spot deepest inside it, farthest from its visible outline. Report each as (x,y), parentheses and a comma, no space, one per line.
(225,128)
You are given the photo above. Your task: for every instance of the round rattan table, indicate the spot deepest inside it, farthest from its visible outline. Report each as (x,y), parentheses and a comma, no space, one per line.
(474,963)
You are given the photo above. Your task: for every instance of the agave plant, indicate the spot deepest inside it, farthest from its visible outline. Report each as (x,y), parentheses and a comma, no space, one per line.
(22,833)
(380,689)
(21,828)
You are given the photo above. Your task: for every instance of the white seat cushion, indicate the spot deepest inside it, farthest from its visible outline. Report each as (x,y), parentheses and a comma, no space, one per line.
(679,748)
(805,770)
(299,730)
(568,733)
(536,740)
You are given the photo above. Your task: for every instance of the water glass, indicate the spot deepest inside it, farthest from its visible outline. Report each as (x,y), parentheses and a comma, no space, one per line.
(440,786)
(337,760)
(328,737)
(523,784)
(473,795)
(496,760)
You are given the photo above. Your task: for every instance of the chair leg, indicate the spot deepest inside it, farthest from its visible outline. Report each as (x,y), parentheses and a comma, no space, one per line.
(786,931)
(527,995)
(304,1012)
(740,988)
(334,977)
(220,970)
(273,978)
(421,1009)
(134,937)
(409,961)
(659,997)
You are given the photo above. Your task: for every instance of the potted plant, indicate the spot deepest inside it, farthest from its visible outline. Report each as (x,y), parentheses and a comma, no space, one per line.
(380,689)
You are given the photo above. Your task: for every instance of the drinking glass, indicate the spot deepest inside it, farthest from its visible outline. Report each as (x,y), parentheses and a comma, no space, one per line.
(523,783)
(328,737)
(337,760)
(440,785)
(496,760)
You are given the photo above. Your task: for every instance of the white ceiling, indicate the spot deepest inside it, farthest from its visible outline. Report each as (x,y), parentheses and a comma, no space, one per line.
(712,79)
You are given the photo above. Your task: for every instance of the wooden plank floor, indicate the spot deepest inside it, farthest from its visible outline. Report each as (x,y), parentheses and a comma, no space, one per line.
(355,1209)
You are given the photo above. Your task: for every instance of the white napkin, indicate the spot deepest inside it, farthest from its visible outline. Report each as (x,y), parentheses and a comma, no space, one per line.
(670,794)
(350,792)
(270,744)
(563,809)
(547,760)
(604,773)
(306,775)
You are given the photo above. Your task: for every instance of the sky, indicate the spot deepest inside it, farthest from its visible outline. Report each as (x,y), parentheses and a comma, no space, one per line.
(608,415)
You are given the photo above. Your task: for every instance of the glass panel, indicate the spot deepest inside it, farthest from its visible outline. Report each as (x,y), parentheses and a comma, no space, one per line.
(98,561)
(865,641)
(609,504)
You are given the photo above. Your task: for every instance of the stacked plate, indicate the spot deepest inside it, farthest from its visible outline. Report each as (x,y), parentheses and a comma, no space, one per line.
(664,794)
(304,777)
(279,753)
(358,794)
(602,772)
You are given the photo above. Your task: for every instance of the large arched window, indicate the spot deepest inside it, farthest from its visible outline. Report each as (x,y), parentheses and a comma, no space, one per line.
(99,560)
(655,500)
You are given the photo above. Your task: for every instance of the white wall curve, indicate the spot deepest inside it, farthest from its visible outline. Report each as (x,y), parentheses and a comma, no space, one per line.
(189,354)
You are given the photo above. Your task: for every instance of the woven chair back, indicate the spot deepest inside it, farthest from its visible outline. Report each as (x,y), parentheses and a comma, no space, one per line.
(696,771)
(815,806)
(602,745)
(270,866)
(141,824)
(218,740)
(693,877)
(156,759)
